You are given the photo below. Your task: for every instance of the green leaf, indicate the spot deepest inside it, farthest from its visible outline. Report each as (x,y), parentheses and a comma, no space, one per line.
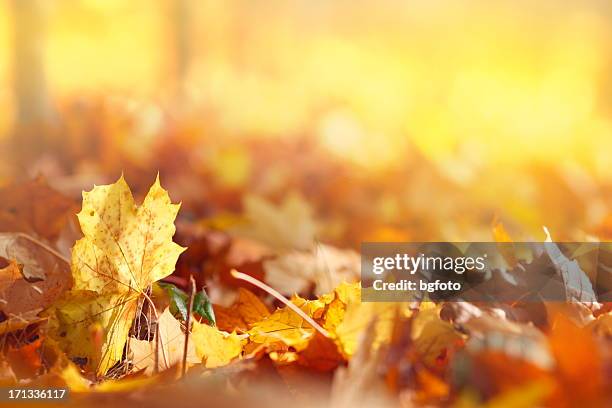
(203,306)
(178,300)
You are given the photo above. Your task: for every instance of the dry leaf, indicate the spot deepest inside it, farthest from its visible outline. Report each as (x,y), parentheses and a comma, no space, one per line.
(213,347)
(578,287)
(358,384)
(324,267)
(602,326)
(34,208)
(171,346)
(31,278)
(578,362)
(285,326)
(247,310)
(124,250)
(25,360)
(20,321)
(352,319)
(431,335)
(285,227)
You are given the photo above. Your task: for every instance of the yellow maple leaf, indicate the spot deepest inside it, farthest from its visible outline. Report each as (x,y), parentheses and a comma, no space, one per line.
(343,316)
(124,250)
(286,326)
(213,347)
(354,318)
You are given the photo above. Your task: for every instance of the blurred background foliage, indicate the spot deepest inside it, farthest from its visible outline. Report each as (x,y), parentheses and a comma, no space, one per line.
(395,120)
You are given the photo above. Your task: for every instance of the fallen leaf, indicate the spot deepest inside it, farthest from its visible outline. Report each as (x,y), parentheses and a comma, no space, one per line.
(432,336)
(359,384)
(34,208)
(25,360)
(247,309)
(578,362)
(321,354)
(517,340)
(124,250)
(20,321)
(73,379)
(602,326)
(323,267)
(351,322)
(577,285)
(171,347)
(284,227)
(213,347)
(285,326)
(523,396)
(31,277)
(492,373)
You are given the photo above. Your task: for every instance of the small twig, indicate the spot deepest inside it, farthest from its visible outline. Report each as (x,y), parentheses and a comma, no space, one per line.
(156,347)
(157,334)
(290,305)
(188,322)
(43,246)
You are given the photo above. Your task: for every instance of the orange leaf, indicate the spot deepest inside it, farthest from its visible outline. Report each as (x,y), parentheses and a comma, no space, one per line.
(579,363)
(247,310)
(25,360)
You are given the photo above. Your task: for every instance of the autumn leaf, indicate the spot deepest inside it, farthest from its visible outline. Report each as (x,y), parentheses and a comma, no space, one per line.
(325,267)
(124,250)
(602,325)
(31,277)
(348,317)
(579,361)
(215,348)
(358,383)
(286,326)
(321,354)
(25,360)
(20,321)
(171,347)
(246,310)
(578,287)
(285,227)
(431,335)
(343,316)
(34,208)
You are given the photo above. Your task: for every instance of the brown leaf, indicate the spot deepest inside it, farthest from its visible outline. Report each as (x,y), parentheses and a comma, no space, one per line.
(32,277)
(171,346)
(34,208)
(20,321)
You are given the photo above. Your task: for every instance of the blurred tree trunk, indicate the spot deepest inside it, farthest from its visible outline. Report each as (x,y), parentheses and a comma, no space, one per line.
(32,107)
(181,12)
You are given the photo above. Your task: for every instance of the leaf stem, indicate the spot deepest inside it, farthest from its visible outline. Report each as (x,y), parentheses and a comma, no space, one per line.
(192,284)
(157,334)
